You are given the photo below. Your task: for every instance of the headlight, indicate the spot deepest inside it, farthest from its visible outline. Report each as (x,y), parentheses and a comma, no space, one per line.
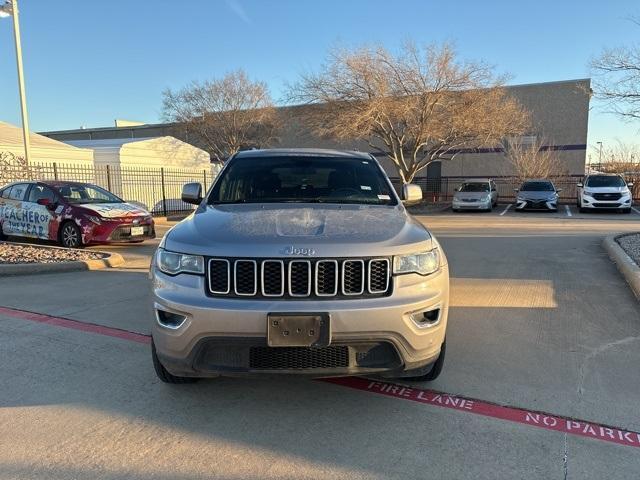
(487,198)
(422,263)
(93,219)
(590,193)
(174,263)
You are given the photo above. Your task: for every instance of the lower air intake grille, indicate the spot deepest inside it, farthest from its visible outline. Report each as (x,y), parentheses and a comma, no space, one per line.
(298,358)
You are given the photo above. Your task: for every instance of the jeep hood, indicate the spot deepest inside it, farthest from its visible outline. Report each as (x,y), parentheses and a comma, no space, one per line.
(267,230)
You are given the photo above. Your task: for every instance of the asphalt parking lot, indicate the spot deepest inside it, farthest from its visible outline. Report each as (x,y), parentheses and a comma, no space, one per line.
(540,320)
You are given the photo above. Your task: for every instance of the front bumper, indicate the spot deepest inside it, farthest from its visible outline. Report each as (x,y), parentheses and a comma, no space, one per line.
(537,205)
(594,204)
(368,335)
(117,232)
(461,205)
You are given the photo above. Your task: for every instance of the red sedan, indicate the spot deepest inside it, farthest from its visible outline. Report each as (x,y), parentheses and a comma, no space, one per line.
(72,213)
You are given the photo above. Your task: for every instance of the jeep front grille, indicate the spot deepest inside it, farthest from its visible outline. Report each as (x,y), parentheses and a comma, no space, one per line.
(299,278)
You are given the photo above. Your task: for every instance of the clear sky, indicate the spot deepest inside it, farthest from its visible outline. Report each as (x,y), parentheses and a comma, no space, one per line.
(88,62)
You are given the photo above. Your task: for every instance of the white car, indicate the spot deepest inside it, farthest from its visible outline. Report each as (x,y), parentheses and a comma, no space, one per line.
(604,192)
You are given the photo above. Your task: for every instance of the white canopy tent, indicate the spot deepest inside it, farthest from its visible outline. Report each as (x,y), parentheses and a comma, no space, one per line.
(150,171)
(44,150)
(155,152)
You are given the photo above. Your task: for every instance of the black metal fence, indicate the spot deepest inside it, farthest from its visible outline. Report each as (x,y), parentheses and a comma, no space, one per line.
(157,189)
(442,189)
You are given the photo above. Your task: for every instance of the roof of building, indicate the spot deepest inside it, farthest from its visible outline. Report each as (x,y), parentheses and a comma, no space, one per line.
(145,126)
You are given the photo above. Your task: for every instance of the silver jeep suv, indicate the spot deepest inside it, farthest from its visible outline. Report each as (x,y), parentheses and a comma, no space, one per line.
(299,261)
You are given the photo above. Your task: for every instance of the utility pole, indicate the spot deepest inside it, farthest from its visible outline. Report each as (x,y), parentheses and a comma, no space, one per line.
(11,9)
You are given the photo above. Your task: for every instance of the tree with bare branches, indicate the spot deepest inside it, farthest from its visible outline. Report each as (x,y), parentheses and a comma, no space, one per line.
(417,106)
(227,114)
(621,157)
(616,79)
(532,159)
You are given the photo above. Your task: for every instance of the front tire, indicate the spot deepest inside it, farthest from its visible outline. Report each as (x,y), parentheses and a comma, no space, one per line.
(70,235)
(162,372)
(436,370)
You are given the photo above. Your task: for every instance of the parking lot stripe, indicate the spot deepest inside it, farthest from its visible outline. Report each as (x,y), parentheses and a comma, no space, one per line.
(75,325)
(571,426)
(505,209)
(533,418)
(635,210)
(569,214)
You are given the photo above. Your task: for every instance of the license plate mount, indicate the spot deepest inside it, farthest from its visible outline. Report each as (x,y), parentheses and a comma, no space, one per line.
(135,231)
(298,329)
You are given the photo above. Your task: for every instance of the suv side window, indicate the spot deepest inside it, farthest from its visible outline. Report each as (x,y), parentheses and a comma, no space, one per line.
(5,192)
(39,191)
(18,191)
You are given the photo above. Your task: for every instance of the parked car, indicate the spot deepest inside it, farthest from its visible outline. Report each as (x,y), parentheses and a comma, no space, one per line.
(299,261)
(604,192)
(537,195)
(480,194)
(72,213)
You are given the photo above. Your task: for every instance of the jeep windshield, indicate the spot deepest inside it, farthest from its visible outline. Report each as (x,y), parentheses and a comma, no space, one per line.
(598,181)
(302,179)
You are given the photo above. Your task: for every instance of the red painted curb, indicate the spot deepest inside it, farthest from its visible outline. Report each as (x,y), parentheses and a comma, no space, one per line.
(75,325)
(542,420)
(546,421)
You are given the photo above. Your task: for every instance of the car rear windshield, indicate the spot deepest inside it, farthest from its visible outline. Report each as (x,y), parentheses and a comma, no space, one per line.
(537,187)
(85,193)
(302,179)
(474,187)
(596,181)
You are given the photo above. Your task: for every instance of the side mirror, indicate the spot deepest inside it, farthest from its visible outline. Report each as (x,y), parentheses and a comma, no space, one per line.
(558,190)
(192,193)
(580,185)
(630,184)
(411,194)
(516,190)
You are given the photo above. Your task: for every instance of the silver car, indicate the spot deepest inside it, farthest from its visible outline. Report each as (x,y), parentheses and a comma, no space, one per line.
(299,261)
(537,195)
(478,194)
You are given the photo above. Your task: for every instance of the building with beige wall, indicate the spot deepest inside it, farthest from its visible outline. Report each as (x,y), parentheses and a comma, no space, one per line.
(559,112)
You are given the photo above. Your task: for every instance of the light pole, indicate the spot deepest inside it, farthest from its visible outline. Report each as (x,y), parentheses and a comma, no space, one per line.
(600,153)
(10,8)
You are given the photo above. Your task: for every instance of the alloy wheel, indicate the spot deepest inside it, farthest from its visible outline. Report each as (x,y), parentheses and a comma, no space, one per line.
(70,236)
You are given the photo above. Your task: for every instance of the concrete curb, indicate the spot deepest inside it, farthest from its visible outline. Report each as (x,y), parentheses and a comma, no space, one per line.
(110,260)
(624,262)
